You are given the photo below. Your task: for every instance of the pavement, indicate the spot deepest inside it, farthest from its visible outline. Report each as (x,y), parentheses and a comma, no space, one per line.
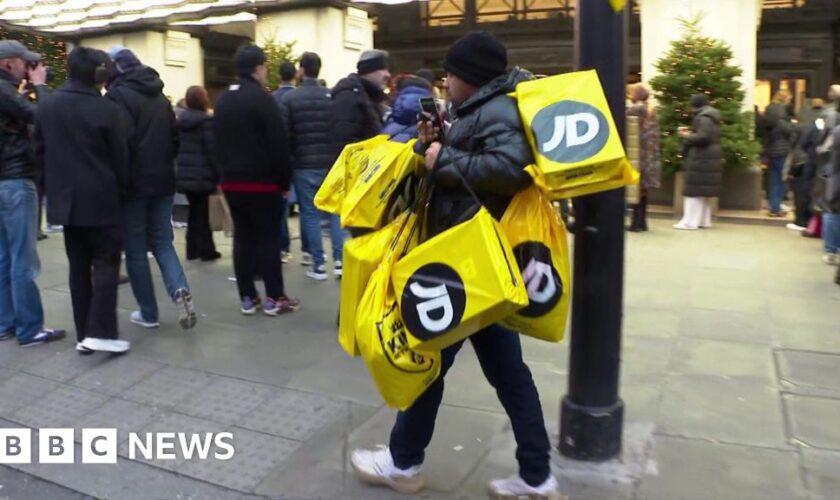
(730,376)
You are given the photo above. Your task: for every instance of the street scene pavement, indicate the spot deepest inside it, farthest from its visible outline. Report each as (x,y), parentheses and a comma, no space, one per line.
(730,377)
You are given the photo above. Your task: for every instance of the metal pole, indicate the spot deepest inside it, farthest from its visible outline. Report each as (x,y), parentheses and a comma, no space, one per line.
(592,414)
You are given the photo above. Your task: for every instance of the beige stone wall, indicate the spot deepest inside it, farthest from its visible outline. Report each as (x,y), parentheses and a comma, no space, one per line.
(176,56)
(337,35)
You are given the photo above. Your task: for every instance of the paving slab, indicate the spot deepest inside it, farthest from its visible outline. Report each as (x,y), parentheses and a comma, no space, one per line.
(22,389)
(20,485)
(642,322)
(116,374)
(292,415)
(722,409)
(742,361)
(737,326)
(691,469)
(806,335)
(62,407)
(644,360)
(809,373)
(822,473)
(226,400)
(64,365)
(168,387)
(125,416)
(813,420)
(169,423)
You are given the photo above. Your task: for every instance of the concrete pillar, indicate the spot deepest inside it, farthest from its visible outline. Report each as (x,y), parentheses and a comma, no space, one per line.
(734,21)
(175,55)
(338,35)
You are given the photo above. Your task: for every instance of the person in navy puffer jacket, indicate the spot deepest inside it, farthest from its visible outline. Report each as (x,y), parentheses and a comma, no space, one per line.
(402,124)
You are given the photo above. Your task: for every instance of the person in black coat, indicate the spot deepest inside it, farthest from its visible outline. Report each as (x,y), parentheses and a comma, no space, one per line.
(147,210)
(703,164)
(252,152)
(485,151)
(197,176)
(307,117)
(82,141)
(358,99)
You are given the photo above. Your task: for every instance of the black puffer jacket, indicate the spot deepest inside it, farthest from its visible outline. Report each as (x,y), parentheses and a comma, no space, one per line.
(356,111)
(307,117)
(780,132)
(196,170)
(154,137)
(16,114)
(704,163)
(487,145)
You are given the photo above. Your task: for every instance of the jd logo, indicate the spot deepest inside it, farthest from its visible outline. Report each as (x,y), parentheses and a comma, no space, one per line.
(570,131)
(433,301)
(541,279)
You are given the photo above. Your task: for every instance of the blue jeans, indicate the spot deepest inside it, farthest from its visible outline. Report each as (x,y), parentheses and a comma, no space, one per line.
(20,300)
(307,183)
(776,191)
(831,232)
(147,227)
(500,355)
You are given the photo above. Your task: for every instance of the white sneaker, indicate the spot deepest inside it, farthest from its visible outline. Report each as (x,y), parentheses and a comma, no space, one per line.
(377,467)
(794,227)
(137,319)
(317,274)
(285,257)
(831,259)
(306,259)
(339,269)
(106,345)
(683,227)
(514,488)
(82,349)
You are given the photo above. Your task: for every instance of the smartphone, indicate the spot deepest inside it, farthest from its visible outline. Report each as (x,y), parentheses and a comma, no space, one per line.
(429,109)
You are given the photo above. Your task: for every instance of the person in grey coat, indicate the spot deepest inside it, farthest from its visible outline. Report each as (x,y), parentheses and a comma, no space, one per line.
(779,138)
(703,164)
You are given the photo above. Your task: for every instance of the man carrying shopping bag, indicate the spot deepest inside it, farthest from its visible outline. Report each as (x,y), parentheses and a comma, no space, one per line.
(485,148)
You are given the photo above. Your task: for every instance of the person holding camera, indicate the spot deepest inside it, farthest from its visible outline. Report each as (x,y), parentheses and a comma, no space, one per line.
(21,311)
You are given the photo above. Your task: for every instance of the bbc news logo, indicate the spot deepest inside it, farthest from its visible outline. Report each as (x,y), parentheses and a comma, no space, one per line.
(99,446)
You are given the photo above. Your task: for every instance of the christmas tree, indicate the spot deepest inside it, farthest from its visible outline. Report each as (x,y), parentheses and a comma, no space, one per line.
(276,53)
(53,51)
(698,64)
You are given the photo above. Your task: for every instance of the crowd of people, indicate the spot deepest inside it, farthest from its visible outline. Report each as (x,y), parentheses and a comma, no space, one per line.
(114,153)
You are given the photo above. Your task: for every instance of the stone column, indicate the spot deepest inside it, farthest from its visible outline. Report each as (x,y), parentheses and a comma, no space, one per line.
(337,34)
(734,21)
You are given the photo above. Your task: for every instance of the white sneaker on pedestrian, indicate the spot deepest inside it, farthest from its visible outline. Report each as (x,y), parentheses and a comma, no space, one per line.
(339,269)
(683,227)
(106,345)
(377,467)
(317,273)
(80,347)
(137,319)
(794,227)
(306,259)
(285,257)
(187,317)
(515,488)
(832,259)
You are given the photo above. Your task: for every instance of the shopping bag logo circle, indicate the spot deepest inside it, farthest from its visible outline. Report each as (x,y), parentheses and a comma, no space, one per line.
(570,131)
(433,301)
(545,288)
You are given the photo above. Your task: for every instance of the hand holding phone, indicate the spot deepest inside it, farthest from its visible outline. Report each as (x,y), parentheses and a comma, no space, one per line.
(431,125)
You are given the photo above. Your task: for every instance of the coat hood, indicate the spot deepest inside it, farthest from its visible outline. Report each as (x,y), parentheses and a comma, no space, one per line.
(192,118)
(357,84)
(504,84)
(143,80)
(712,113)
(407,105)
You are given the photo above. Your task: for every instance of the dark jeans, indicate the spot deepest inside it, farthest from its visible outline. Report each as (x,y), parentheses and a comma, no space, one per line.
(285,238)
(256,242)
(94,256)
(500,355)
(776,189)
(199,236)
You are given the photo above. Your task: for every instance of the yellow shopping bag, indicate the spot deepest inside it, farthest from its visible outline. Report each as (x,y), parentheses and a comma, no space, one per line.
(627,176)
(457,283)
(361,257)
(540,245)
(342,174)
(385,167)
(401,374)
(571,131)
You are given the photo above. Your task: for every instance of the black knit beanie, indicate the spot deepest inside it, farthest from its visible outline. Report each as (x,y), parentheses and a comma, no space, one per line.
(698,101)
(477,58)
(247,58)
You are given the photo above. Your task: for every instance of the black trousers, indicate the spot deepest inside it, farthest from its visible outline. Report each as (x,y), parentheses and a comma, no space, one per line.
(199,236)
(640,214)
(256,242)
(94,255)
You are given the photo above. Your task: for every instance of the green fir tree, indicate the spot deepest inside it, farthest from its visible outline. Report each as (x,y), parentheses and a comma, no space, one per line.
(698,64)
(276,53)
(53,51)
